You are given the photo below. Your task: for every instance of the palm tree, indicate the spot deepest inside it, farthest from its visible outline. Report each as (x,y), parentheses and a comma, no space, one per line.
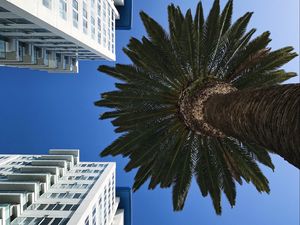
(203,100)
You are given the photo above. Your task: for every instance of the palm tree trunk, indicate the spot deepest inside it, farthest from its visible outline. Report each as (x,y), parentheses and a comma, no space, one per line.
(268,117)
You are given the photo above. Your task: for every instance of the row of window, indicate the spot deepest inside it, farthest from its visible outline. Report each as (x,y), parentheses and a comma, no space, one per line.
(82,177)
(58,206)
(30,157)
(72,186)
(88,171)
(8,169)
(19,163)
(3,177)
(2,157)
(10,21)
(100,165)
(23,30)
(40,221)
(65,195)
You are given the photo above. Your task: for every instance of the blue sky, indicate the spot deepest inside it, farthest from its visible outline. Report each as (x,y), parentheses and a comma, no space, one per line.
(39,111)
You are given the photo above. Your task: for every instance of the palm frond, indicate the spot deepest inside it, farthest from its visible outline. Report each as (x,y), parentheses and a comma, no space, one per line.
(183,176)
(145,107)
(198,36)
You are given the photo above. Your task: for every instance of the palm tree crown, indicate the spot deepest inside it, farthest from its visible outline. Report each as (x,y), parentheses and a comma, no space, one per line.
(146,106)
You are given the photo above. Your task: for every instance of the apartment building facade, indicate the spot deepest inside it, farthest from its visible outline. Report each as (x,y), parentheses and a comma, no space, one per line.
(53,35)
(58,189)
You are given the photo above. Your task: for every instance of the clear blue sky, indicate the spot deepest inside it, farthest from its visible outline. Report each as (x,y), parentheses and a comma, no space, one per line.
(39,111)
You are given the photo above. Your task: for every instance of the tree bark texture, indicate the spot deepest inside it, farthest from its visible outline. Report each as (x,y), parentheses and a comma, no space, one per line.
(268,117)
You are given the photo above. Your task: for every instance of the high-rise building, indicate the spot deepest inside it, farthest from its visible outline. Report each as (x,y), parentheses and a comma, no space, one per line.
(58,189)
(53,35)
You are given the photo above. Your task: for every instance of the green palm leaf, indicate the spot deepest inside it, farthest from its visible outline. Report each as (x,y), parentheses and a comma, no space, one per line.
(146,105)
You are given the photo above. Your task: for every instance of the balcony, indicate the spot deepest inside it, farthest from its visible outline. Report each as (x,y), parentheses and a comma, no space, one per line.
(21,186)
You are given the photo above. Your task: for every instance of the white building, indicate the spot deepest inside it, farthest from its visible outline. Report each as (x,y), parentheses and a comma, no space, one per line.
(57,189)
(53,35)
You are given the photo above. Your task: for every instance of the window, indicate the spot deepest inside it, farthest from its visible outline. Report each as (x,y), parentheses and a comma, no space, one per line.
(50,207)
(87,222)
(99,8)
(63,9)
(67,61)
(46,57)
(94,216)
(75,207)
(104,19)
(93,19)
(58,207)
(75,18)
(75,4)
(69,195)
(99,30)
(40,221)
(42,207)
(84,17)
(100,210)
(54,195)
(93,27)
(67,207)
(75,13)
(113,32)
(77,195)
(109,27)
(28,220)
(56,221)
(2,52)
(61,195)
(21,52)
(45,221)
(47,3)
